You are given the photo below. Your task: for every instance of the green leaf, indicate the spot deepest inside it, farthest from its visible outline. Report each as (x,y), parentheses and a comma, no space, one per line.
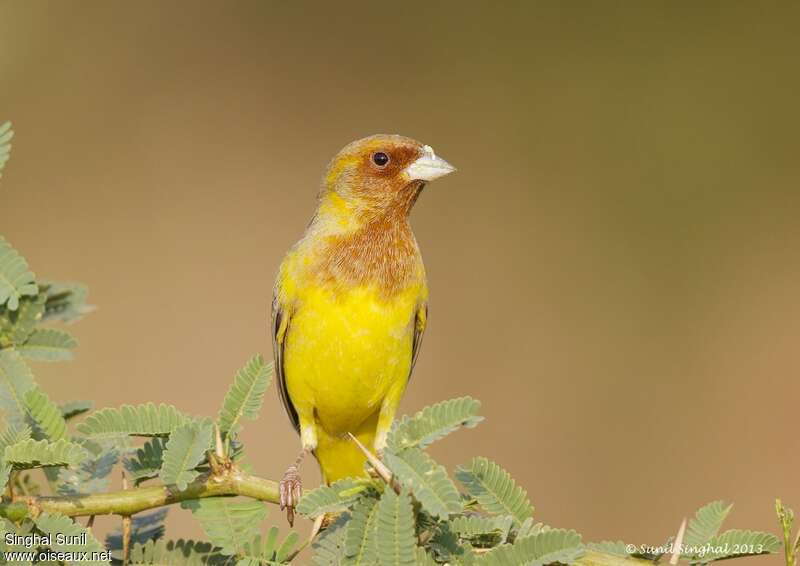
(359,540)
(144,527)
(13,435)
(433,422)
(706,523)
(16,326)
(427,480)
(394,533)
(735,543)
(185,449)
(10,435)
(446,547)
(229,523)
(528,527)
(267,550)
(46,415)
(37,453)
(16,380)
(6,133)
(140,420)
(328,547)
(423,558)
(547,547)
(16,280)
(48,345)
(75,408)
(66,302)
(617,547)
(176,553)
(93,474)
(482,531)
(147,462)
(246,394)
(332,498)
(495,490)
(23,529)
(73,537)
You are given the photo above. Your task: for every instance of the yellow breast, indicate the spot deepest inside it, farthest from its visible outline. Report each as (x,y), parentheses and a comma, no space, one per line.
(344,350)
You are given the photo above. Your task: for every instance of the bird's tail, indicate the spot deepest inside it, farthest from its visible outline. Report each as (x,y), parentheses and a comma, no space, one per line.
(339,457)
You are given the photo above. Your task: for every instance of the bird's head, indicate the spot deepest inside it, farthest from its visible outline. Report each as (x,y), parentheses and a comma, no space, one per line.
(381,174)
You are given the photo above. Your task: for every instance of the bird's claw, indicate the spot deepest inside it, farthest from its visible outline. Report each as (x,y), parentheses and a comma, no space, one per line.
(290,489)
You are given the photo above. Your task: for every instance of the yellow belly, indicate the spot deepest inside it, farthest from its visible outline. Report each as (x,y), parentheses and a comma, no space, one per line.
(344,352)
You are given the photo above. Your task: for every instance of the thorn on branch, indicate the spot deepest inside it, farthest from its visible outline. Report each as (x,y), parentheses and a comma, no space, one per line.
(384,472)
(126,528)
(220,450)
(678,544)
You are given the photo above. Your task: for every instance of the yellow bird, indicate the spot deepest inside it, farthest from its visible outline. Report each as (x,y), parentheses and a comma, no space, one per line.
(350,306)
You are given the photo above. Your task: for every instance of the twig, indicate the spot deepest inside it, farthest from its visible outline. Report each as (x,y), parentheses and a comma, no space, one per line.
(132,501)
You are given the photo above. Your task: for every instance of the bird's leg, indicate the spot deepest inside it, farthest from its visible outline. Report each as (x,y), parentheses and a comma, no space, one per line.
(290,488)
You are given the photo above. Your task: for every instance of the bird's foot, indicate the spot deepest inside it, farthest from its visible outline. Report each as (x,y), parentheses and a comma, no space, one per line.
(290,489)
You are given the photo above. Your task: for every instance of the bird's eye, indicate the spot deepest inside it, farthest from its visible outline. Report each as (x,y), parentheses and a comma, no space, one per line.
(380,159)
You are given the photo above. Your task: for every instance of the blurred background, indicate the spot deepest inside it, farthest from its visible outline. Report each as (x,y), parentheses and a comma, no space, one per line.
(614,269)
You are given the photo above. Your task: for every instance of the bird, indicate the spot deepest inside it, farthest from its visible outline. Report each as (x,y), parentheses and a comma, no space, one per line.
(350,307)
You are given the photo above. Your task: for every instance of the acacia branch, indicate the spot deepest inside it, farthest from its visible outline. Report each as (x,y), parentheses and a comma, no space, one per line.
(131,501)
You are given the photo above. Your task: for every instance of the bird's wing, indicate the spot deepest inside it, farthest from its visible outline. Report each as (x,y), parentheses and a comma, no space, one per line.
(420,323)
(280,326)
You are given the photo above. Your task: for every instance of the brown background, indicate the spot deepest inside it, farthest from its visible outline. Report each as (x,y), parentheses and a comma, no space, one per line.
(614,269)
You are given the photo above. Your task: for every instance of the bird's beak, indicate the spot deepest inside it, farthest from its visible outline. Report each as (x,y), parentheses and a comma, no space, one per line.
(428,167)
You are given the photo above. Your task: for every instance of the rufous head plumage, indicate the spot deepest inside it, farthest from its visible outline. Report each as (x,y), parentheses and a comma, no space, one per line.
(382,174)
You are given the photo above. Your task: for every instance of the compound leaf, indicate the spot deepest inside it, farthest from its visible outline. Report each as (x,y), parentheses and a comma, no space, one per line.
(72,534)
(176,553)
(148,460)
(46,415)
(16,280)
(434,422)
(129,420)
(16,326)
(65,302)
(6,133)
(495,490)
(735,543)
(92,475)
(267,550)
(16,380)
(185,449)
(48,345)
(245,395)
(427,480)
(615,547)
(394,530)
(706,523)
(37,453)
(328,547)
(359,540)
(11,435)
(144,527)
(546,547)
(229,523)
(479,529)
(331,498)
